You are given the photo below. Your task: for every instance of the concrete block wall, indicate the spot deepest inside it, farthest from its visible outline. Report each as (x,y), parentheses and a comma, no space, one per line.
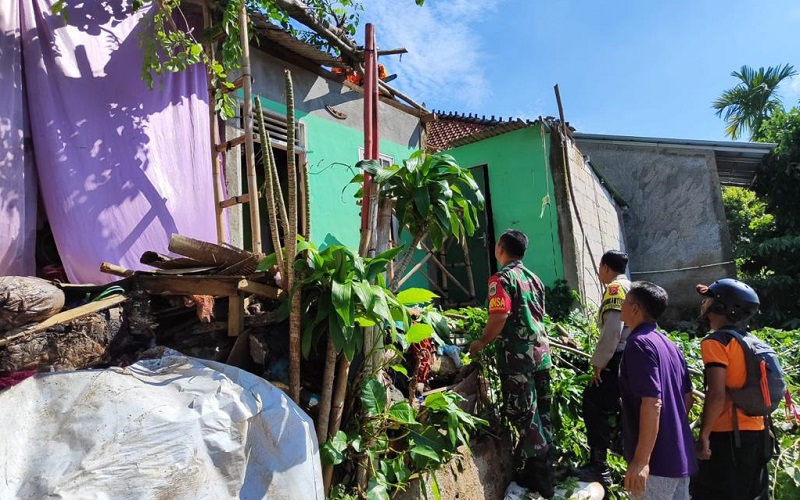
(675,219)
(596,225)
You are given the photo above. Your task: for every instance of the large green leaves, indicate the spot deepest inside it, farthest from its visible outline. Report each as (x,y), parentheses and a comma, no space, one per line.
(333,450)
(373,397)
(412,296)
(433,194)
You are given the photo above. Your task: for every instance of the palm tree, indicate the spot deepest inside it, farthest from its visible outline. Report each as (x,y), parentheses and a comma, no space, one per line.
(752,100)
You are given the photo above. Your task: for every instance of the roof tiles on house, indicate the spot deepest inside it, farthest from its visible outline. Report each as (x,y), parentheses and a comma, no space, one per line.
(450,129)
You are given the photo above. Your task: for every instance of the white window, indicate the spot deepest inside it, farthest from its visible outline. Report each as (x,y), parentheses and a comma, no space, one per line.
(384,160)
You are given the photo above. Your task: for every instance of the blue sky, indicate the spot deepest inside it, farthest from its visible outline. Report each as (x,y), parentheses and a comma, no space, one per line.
(633,67)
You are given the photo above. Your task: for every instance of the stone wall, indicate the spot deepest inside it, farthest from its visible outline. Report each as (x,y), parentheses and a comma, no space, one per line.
(483,472)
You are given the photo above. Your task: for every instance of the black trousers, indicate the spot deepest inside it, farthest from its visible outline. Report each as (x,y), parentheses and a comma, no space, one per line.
(733,473)
(601,408)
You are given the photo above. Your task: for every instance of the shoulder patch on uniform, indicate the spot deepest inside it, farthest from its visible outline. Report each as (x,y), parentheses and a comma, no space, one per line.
(613,289)
(493,288)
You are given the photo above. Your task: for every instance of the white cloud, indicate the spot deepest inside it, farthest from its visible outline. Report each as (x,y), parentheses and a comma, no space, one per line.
(790,91)
(445,49)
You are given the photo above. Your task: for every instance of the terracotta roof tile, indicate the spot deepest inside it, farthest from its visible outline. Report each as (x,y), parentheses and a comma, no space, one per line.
(455,129)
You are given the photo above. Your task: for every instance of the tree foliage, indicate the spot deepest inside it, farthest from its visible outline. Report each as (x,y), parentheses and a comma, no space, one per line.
(765,223)
(753,100)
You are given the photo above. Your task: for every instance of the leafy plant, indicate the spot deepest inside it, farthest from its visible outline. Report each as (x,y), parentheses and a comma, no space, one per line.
(434,196)
(340,296)
(561,299)
(394,441)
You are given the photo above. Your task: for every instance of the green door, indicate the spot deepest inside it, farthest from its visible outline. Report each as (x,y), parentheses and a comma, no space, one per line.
(481,253)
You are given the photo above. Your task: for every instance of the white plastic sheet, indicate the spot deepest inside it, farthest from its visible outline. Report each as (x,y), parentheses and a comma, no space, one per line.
(175,427)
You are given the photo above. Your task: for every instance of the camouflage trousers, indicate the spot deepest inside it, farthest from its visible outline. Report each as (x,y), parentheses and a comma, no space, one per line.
(526,399)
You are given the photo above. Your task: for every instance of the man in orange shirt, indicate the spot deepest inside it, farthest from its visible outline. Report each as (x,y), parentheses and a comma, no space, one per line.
(730,466)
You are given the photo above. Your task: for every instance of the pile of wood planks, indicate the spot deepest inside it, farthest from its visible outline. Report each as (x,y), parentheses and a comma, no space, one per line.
(174,304)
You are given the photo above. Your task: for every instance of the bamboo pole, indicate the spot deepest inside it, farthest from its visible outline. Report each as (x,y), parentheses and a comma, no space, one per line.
(445,271)
(401,266)
(337,409)
(414,269)
(216,169)
(247,118)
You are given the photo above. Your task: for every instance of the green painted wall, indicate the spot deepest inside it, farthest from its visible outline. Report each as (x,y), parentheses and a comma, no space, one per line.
(522,196)
(333,151)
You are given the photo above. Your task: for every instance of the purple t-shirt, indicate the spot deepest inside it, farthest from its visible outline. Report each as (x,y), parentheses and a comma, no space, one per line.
(653,367)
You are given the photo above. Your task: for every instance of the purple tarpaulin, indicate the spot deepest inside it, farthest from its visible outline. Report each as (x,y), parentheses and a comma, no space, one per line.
(121,168)
(17,173)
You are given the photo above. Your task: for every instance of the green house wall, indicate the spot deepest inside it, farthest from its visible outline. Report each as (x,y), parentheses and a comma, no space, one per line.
(521,193)
(333,151)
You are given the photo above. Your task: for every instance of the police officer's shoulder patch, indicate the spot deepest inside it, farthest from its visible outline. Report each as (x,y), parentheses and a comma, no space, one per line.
(612,298)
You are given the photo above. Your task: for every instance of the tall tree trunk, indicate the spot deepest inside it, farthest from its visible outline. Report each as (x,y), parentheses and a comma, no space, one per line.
(295,327)
(284,219)
(307,189)
(406,260)
(327,393)
(337,409)
(269,190)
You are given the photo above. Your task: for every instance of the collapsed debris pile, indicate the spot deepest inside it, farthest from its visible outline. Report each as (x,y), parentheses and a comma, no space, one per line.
(209,302)
(204,303)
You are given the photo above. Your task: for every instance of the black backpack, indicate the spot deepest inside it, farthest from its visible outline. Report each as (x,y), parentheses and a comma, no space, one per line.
(765,384)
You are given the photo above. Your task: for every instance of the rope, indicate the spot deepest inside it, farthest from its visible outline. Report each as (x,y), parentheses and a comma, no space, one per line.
(684,268)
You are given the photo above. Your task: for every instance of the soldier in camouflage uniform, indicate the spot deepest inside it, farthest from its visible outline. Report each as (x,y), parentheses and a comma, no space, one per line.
(516,309)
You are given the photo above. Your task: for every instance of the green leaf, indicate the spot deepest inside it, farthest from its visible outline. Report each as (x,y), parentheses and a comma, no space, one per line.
(436,401)
(370,166)
(389,254)
(403,413)
(365,294)
(437,495)
(364,322)
(342,298)
(267,262)
(400,369)
(422,201)
(332,452)
(376,489)
(416,296)
(423,454)
(418,332)
(336,331)
(373,397)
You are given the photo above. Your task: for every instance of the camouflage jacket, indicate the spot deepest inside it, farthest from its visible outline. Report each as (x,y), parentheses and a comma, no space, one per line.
(522,346)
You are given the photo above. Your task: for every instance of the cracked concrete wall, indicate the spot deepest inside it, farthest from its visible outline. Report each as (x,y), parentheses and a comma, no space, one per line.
(675,219)
(596,225)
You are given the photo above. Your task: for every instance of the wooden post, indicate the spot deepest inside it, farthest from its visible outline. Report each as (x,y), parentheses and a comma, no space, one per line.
(216,169)
(247,119)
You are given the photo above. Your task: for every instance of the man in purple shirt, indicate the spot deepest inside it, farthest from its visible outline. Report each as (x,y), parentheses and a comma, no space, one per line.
(656,397)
